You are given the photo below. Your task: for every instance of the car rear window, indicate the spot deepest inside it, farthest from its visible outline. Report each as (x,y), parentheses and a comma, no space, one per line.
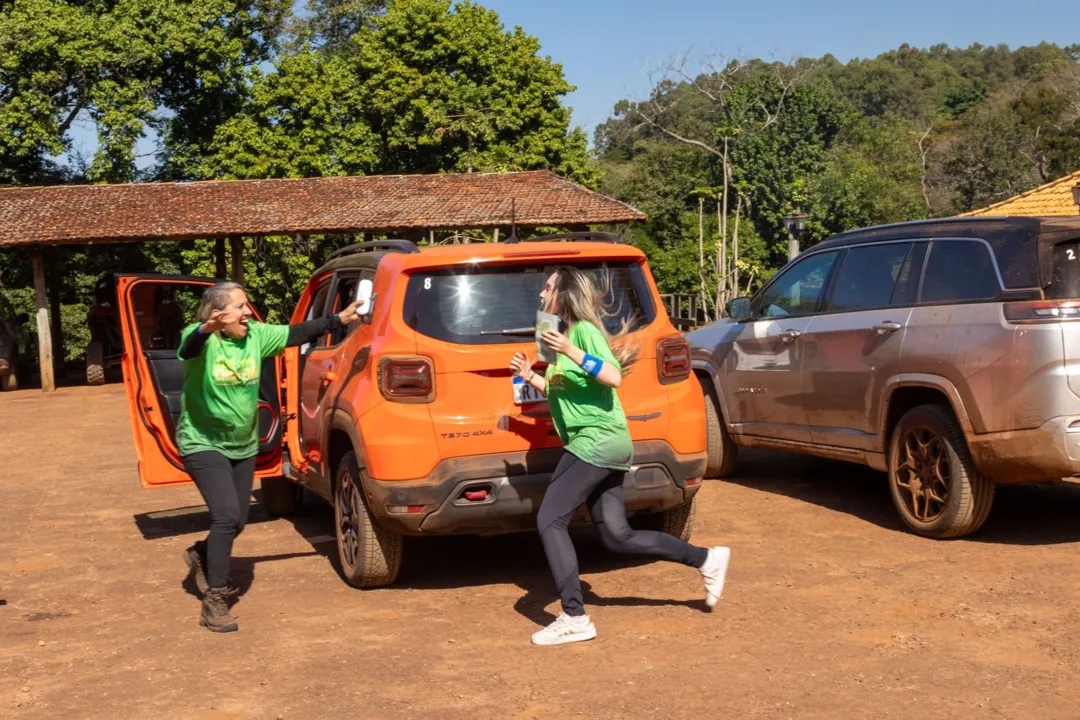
(1065,280)
(497,305)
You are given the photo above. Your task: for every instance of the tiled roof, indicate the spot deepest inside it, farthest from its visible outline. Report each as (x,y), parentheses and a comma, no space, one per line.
(379,203)
(1054,198)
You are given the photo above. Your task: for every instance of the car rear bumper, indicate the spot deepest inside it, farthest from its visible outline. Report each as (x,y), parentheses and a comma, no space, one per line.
(514,484)
(1049,452)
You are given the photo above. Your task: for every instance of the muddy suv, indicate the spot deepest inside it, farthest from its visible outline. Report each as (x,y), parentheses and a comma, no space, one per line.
(410,422)
(943,352)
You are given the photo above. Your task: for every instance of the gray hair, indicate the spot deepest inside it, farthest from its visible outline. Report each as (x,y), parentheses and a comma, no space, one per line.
(215,298)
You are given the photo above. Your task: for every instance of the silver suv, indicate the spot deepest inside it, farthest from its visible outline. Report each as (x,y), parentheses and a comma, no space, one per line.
(944,352)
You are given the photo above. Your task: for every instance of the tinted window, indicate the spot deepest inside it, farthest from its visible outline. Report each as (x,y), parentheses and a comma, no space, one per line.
(476,306)
(317,310)
(868,277)
(344,295)
(907,286)
(959,271)
(798,290)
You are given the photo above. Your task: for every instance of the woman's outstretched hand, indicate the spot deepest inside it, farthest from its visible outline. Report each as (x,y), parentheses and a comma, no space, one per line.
(350,314)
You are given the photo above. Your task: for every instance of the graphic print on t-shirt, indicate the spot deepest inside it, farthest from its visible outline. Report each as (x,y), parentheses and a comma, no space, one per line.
(226,374)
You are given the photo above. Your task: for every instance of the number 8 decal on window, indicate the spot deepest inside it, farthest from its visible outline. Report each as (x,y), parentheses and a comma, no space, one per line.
(427,281)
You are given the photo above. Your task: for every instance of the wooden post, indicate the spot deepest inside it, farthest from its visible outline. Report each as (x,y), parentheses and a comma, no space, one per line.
(45,349)
(237,259)
(220,269)
(54,277)
(495,237)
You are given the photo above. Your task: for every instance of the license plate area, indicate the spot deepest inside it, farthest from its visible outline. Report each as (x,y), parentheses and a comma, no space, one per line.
(526,394)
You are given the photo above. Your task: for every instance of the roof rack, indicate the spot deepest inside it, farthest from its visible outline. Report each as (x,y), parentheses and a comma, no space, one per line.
(402,246)
(589,236)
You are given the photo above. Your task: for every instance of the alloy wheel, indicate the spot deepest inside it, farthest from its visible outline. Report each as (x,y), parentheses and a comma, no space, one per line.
(922,474)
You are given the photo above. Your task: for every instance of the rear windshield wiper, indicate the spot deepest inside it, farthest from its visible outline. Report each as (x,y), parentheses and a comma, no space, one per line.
(511,331)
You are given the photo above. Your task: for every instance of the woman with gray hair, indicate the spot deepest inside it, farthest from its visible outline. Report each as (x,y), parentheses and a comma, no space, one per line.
(218,433)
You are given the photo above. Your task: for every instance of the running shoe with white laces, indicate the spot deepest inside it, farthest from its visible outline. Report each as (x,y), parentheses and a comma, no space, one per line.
(566,629)
(713,572)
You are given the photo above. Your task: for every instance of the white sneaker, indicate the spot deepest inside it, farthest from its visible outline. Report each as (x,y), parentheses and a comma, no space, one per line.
(713,572)
(566,629)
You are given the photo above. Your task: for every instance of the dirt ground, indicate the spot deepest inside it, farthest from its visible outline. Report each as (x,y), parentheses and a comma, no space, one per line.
(831,609)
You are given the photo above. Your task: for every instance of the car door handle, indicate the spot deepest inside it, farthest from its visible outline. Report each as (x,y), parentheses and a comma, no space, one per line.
(887,327)
(790,335)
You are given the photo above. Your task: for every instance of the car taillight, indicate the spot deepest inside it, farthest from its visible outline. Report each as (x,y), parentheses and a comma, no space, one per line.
(672,360)
(407,379)
(1042,311)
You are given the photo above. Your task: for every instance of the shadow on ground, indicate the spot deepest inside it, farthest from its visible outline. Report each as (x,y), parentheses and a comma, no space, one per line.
(1039,514)
(430,562)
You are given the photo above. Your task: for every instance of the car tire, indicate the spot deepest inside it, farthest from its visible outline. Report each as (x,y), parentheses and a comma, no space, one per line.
(721,452)
(934,483)
(95,364)
(281,497)
(10,382)
(370,555)
(677,521)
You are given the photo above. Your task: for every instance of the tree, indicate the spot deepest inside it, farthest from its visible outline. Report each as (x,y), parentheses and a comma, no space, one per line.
(732,115)
(121,65)
(430,86)
(331,25)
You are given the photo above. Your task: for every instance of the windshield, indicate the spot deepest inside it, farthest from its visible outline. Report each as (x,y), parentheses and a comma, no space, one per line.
(483,306)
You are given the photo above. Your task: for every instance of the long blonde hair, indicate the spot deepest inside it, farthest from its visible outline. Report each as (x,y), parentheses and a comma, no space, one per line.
(578,299)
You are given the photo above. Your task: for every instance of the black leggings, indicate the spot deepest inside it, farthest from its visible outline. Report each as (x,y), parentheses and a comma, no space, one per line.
(576,482)
(226,487)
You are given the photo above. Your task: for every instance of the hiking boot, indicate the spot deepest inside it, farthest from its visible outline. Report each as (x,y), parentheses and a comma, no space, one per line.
(215,611)
(713,573)
(195,557)
(566,629)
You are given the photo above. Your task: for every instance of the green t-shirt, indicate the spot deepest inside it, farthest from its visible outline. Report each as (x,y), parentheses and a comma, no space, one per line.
(587,414)
(221,391)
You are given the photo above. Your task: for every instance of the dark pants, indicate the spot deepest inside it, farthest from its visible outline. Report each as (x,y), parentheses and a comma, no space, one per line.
(226,488)
(576,482)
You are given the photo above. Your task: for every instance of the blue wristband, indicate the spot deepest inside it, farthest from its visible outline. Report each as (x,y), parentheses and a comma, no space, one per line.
(591,365)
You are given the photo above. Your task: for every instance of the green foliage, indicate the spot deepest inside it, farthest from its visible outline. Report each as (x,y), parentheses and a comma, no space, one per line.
(907,135)
(429,86)
(871,177)
(123,65)
(242,89)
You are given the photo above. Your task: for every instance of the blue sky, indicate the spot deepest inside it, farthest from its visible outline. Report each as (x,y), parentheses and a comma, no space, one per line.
(608,47)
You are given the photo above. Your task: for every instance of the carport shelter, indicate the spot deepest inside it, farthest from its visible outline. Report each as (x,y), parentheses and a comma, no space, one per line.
(40,218)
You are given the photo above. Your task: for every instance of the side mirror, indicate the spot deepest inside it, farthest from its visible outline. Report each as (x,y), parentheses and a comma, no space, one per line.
(22,318)
(365,292)
(740,309)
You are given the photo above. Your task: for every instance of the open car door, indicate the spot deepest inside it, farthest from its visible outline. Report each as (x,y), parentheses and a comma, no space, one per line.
(153,312)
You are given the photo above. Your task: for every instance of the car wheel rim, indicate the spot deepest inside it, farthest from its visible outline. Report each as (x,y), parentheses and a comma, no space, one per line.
(349,522)
(922,473)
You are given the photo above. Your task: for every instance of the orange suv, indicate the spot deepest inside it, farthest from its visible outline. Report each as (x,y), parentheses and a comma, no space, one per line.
(409,423)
